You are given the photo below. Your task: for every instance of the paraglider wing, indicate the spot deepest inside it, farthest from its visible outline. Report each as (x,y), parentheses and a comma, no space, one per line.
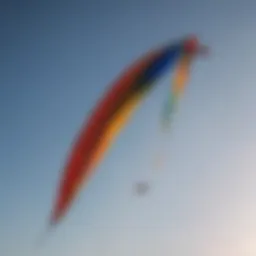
(110,115)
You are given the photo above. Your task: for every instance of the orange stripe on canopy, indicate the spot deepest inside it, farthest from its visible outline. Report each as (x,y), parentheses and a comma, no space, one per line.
(110,134)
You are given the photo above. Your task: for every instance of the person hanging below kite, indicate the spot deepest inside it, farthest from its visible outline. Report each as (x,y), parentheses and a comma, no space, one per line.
(115,109)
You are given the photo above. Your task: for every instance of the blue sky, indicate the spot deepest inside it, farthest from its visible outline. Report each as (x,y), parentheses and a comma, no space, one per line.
(57,59)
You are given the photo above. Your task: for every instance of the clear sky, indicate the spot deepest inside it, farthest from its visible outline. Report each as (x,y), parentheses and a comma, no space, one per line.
(57,57)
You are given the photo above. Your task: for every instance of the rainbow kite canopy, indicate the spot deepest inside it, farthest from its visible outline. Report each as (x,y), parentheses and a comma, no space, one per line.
(115,109)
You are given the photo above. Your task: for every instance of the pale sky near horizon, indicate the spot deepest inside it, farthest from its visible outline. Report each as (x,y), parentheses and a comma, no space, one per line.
(57,59)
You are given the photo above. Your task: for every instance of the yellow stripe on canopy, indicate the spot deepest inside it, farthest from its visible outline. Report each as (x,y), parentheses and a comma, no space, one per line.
(115,126)
(111,132)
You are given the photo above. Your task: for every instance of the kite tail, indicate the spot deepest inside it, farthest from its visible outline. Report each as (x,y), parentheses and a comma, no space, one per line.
(180,79)
(169,110)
